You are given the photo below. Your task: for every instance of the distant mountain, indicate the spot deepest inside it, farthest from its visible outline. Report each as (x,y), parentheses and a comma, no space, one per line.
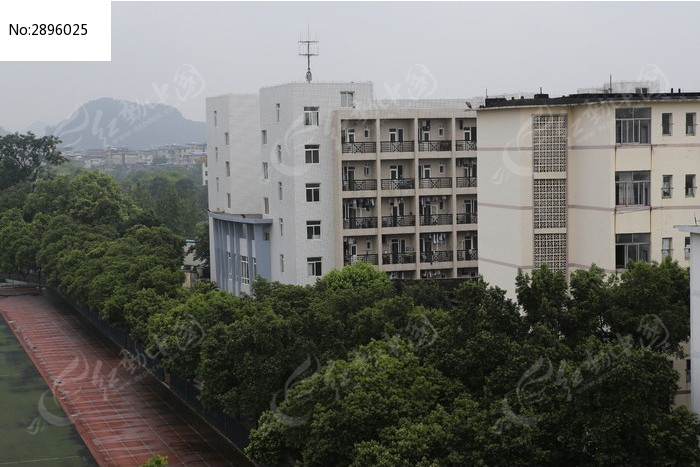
(3,131)
(110,122)
(38,128)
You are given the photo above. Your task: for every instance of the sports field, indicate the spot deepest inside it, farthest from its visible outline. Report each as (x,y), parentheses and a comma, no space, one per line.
(34,431)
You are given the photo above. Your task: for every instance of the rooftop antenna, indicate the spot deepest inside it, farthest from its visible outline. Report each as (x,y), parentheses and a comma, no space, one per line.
(308,48)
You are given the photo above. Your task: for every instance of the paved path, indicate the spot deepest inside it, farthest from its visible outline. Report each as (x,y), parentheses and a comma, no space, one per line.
(123,414)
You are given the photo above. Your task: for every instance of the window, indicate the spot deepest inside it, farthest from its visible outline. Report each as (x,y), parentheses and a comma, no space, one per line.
(314,266)
(264,137)
(216,119)
(228,200)
(266,205)
(228,169)
(266,236)
(368,170)
(255,268)
(632,125)
(279,188)
(366,132)
(313,230)
(347,99)
(690,123)
(281,227)
(369,244)
(312,153)
(687,370)
(277,110)
(687,248)
(631,247)
(216,154)
(226,138)
(217,184)
(244,231)
(666,186)
(441,167)
(441,130)
(632,188)
(281,262)
(245,275)
(666,248)
(311,116)
(690,185)
(266,174)
(279,153)
(666,123)
(313,192)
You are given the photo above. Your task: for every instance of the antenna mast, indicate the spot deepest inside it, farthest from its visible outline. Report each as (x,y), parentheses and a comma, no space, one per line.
(308,48)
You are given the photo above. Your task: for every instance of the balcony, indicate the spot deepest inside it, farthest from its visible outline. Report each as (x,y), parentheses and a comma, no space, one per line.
(360,223)
(366,258)
(398,221)
(430,146)
(467,255)
(397,146)
(436,256)
(436,219)
(359,185)
(464,145)
(398,183)
(399,258)
(466,218)
(352,148)
(437,182)
(466,182)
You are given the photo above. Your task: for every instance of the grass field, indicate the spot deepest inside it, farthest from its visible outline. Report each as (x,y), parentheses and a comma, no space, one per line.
(33,430)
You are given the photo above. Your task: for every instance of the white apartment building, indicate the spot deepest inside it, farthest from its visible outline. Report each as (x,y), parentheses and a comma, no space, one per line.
(587,178)
(307,177)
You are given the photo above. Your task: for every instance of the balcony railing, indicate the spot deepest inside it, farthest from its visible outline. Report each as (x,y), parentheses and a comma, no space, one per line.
(437,182)
(399,258)
(398,183)
(436,219)
(397,146)
(467,255)
(359,185)
(360,223)
(436,256)
(466,218)
(430,146)
(464,145)
(399,221)
(466,182)
(359,147)
(632,193)
(367,258)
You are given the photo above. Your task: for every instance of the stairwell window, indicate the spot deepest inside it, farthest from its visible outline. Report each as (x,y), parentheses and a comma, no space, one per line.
(687,247)
(226,137)
(264,136)
(632,188)
(266,205)
(666,247)
(279,189)
(228,200)
(277,110)
(266,173)
(311,116)
(228,169)
(632,125)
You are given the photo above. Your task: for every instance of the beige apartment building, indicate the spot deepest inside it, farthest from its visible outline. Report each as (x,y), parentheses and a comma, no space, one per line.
(405,181)
(587,178)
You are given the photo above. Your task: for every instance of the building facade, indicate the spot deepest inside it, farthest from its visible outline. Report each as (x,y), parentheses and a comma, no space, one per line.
(588,178)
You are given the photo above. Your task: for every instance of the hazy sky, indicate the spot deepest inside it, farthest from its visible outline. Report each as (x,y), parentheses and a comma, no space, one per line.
(466,47)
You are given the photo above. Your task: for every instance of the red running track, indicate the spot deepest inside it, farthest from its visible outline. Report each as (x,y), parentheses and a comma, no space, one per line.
(123,414)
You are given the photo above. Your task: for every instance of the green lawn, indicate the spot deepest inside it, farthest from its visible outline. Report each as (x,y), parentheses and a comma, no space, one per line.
(26,438)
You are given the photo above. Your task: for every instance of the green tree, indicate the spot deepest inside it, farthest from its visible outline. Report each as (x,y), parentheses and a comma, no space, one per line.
(156,461)
(201,242)
(22,156)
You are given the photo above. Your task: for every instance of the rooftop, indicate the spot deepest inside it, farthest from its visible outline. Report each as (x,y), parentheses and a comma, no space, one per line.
(540,100)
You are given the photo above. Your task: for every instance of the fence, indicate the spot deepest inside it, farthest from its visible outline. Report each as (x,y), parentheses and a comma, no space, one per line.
(225,424)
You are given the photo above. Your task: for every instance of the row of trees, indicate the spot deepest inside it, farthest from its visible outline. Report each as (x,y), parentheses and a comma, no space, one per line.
(351,371)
